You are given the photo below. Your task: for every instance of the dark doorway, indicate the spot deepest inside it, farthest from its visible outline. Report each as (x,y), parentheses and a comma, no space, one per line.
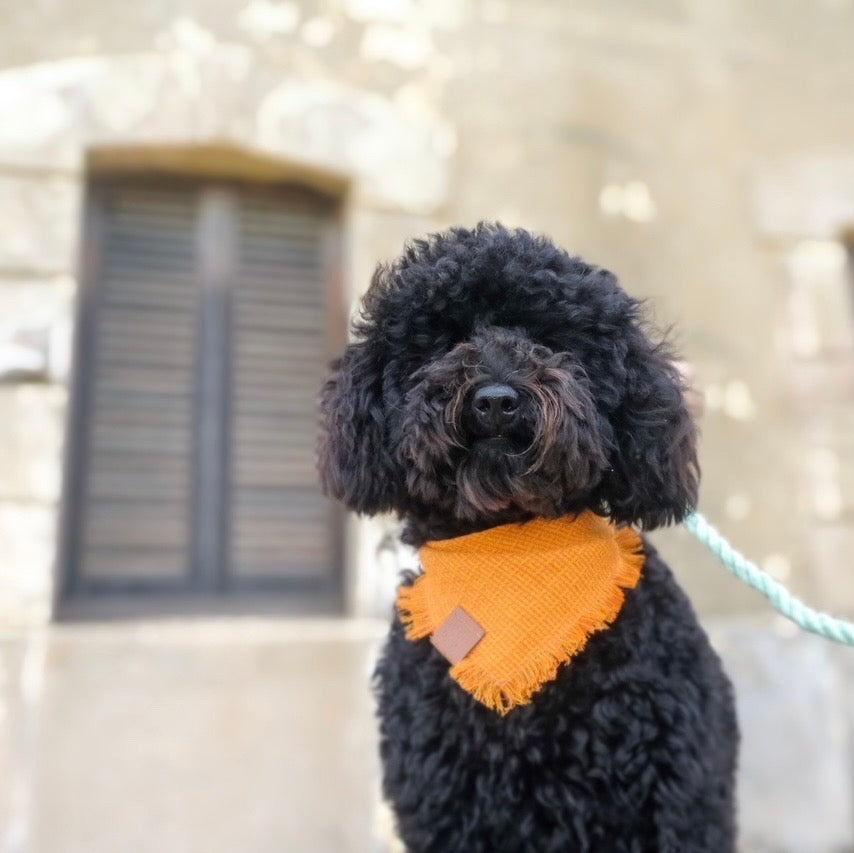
(208,311)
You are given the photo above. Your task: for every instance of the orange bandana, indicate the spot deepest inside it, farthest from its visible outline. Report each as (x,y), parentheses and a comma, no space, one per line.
(508,606)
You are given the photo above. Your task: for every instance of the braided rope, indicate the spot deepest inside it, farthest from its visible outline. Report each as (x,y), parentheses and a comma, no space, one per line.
(782,600)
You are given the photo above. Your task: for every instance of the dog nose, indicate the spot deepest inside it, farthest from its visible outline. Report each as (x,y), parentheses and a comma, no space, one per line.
(495,407)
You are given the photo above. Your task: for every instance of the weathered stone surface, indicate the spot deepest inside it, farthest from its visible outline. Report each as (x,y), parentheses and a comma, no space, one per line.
(50,137)
(17,717)
(27,548)
(28,303)
(209,737)
(820,302)
(39,223)
(810,195)
(276,716)
(690,199)
(84,101)
(833,575)
(39,310)
(795,784)
(31,431)
(397,159)
(376,236)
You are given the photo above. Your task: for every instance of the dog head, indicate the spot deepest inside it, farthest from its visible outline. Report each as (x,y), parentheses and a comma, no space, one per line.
(494,377)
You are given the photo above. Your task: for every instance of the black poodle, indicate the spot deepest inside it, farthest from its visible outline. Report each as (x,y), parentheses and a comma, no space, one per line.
(632,746)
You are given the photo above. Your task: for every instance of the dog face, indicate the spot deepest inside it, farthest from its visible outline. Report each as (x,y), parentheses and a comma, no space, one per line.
(498,423)
(494,377)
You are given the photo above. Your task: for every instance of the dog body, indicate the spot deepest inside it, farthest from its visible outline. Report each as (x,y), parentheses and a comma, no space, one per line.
(495,379)
(630,748)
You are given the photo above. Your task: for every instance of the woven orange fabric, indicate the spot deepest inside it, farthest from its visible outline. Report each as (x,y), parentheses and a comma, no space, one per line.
(538,590)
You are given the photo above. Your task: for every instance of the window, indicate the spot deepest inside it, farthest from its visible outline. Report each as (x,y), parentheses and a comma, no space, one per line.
(208,312)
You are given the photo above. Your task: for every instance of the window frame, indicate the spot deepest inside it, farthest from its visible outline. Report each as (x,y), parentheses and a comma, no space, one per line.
(214,595)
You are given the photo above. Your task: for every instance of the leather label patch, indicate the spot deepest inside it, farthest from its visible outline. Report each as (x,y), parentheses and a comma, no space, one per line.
(457,635)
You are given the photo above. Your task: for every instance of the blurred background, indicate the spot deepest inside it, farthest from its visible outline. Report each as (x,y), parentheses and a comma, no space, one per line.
(192,195)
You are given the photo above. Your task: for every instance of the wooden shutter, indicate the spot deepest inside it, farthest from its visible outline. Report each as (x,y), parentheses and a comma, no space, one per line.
(204,339)
(135,519)
(280,523)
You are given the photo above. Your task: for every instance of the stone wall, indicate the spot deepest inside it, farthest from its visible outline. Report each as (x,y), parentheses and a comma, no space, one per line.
(188,88)
(699,149)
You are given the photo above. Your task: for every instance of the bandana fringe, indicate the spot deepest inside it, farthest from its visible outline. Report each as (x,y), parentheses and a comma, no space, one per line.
(519,688)
(501,695)
(414,613)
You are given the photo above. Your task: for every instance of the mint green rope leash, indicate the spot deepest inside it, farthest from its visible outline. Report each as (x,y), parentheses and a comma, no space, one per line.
(782,600)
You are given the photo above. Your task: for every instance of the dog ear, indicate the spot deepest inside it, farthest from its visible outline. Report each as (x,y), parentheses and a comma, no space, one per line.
(354,463)
(655,475)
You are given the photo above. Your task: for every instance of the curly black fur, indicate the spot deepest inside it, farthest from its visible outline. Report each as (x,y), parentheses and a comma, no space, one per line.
(633,746)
